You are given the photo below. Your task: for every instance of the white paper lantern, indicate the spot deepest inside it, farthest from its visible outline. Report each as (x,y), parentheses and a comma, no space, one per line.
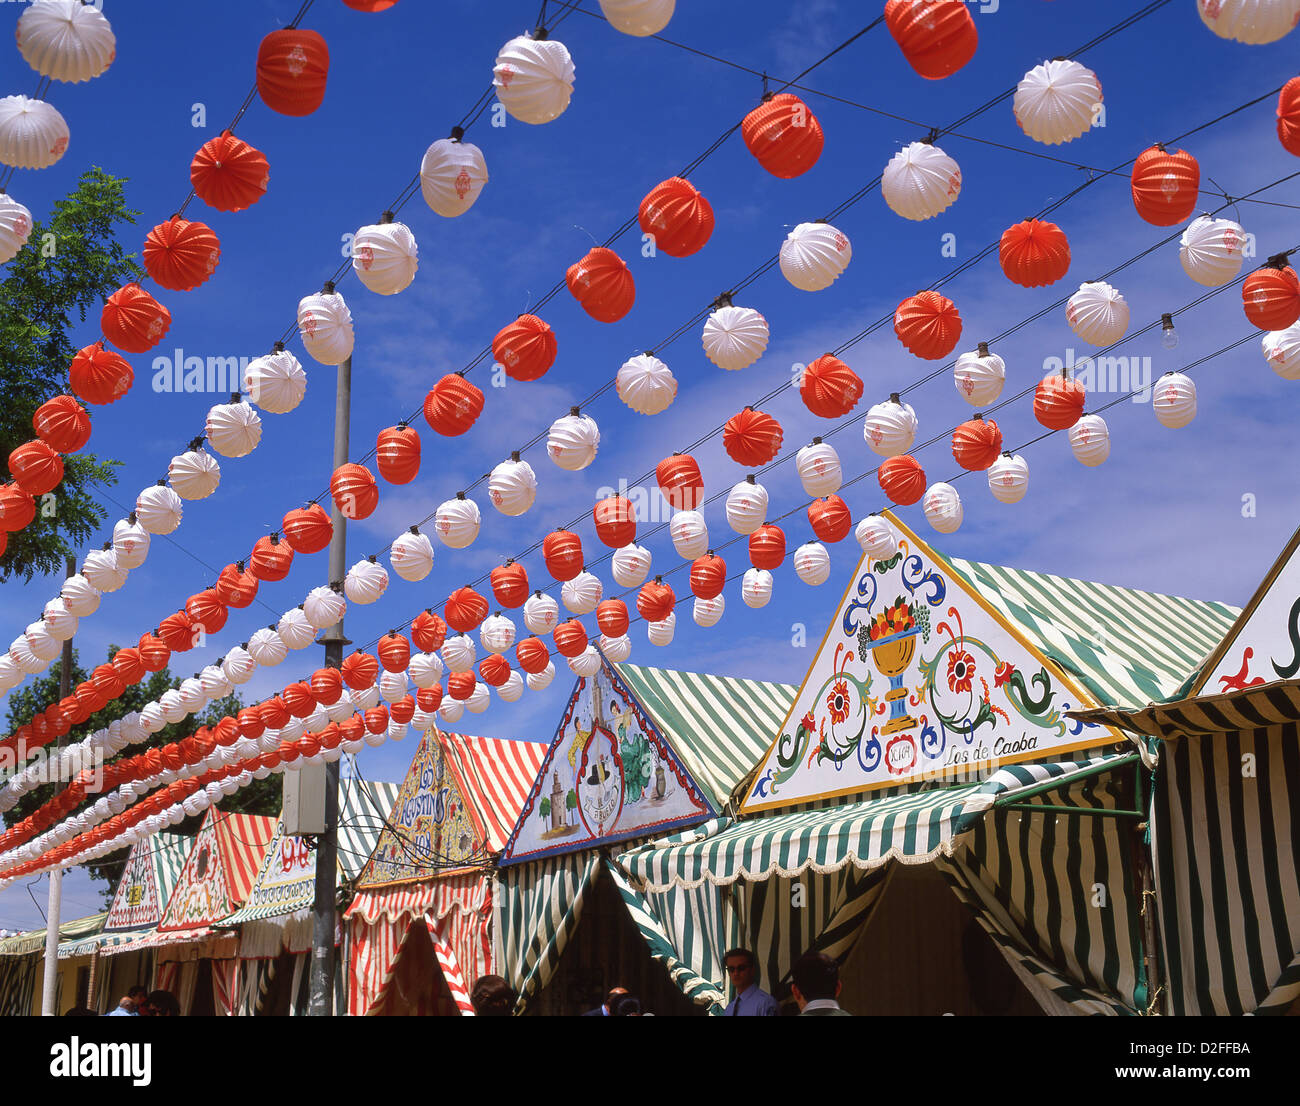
(33,135)
(581,594)
(158,509)
(130,544)
(690,534)
(103,571)
(214,682)
(457,522)
(1174,400)
(340,710)
(920,181)
(44,645)
(276,382)
(393,685)
(979,376)
(81,597)
(326,327)
(458,653)
(452,175)
(66,40)
(425,670)
(238,666)
(451,710)
(746,507)
(152,720)
(814,255)
(10,675)
(1009,478)
(497,633)
(194,474)
(424,720)
(616,649)
(15,227)
(1212,250)
(638,17)
(59,621)
(1097,313)
(411,555)
(365,582)
(876,537)
(385,257)
(295,630)
(541,613)
(512,486)
(1090,440)
(890,428)
(294,729)
(735,337)
(266,648)
(646,384)
(1282,351)
(942,506)
(323,607)
(630,566)
(233,429)
(1056,102)
(812,563)
(661,633)
(364,698)
(1254,22)
(479,700)
(533,79)
(513,689)
(756,587)
(819,469)
(540,681)
(586,663)
(572,441)
(173,707)
(708,611)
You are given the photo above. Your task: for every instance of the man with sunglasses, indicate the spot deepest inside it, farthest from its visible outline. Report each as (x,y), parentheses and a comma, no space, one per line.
(750,1001)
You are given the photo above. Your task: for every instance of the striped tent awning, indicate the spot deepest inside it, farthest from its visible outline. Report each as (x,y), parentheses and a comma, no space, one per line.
(364,807)
(1125,646)
(720,726)
(34,940)
(495,775)
(1250,708)
(215,942)
(69,950)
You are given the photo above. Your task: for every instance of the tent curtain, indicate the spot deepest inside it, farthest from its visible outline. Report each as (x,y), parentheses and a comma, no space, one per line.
(450,967)
(225,987)
(17,983)
(254,985)
(374,951)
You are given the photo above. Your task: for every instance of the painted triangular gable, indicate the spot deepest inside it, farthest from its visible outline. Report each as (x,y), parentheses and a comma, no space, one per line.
(609,775)
(918,679)
(143,890)
(1263,645)
(219,869)
(432,831)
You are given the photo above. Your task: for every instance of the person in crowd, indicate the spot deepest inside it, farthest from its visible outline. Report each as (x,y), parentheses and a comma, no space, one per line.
(160,1004)
(627,1006)
(129,1006)
(816,985)
(80,1012)
(493,997)
(751,1001)
(606,1009)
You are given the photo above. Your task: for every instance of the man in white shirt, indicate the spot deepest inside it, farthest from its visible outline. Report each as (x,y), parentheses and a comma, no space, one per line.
(816,985)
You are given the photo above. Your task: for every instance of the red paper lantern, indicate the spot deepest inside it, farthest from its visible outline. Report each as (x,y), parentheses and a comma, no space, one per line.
(354,491)
(611,617)
(327,686)
(615,518)
(206,611)
(229,174)
(397,454)
(708,576)
(465,609)
(360,670)
(370,5)
(526,348)
(292,67)
(133,320)
(154,652)
(180,254)
(275,715)
(680,481)
(830,518)
(1034,253)
(976,444)
(1288,116)
(937,37)
(250,723)
(298,700)
(602,283)
(236,587)
(376,719)
(928,325)
(461,685)
(36,468)
(783,134)
(655,601)
(751,438)
(308,529)
(62,423)
(271,559)
(453,405)
(510,584)
(129,664)
(98,375)
(178,631)
(532,654)
(76,708)
(570,638)
(1059,402)
(902,479)
(1165,186)
(394,652)
(429,699)
(830,388)
(108,683)
(494,669)
(17,508)
(677,217)
(428,631)
(403,710)
(1271,297)
(562,551)
(767,547)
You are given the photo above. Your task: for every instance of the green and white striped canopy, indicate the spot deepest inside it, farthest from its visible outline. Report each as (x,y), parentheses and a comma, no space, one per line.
(34,940)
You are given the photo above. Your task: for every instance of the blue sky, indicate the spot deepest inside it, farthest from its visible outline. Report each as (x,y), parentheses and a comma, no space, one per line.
(1164,513)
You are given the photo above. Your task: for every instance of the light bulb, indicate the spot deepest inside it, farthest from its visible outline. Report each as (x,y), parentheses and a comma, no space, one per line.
(1168,335)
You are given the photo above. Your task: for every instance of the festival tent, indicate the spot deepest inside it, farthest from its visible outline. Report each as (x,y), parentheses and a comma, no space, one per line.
(423,906)
(1225,811)
(638,752)
(932,731)
(22,969)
